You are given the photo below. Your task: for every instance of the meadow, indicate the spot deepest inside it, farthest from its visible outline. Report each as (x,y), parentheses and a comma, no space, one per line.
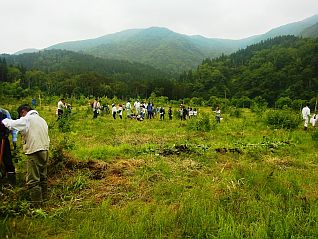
(124,178)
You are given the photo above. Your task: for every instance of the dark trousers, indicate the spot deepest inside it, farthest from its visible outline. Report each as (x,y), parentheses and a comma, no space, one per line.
(95,114)
(7,156)
(59,113)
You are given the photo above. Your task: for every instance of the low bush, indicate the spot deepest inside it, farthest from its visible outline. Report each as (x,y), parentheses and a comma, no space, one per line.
(201,123)
(282,119)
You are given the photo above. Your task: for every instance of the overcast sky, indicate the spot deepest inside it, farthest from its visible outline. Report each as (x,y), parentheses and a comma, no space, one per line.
(41,23)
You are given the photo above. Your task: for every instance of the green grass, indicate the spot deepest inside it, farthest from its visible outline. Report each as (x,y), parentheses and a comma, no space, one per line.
(171,179)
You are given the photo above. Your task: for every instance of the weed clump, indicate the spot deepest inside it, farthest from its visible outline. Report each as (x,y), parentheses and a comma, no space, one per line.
(235,112)
(282,119)
(59,159)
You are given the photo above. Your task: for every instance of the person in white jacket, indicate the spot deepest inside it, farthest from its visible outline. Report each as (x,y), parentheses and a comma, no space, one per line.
(34,130)
(306,115)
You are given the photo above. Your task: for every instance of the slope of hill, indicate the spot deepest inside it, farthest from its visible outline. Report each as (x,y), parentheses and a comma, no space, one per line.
(77,63)
(311,31)
(28,50)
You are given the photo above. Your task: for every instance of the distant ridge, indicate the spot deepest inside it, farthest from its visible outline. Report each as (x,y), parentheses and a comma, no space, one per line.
(171,51)
(28,50)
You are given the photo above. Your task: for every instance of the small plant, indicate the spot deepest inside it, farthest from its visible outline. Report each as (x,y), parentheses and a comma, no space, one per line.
(58,159)
(79,184)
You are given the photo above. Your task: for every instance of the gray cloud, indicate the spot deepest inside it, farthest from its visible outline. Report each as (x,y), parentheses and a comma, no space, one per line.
(41,23)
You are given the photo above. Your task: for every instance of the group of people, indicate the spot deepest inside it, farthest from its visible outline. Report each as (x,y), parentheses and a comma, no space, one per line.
(141,111)
(308,118)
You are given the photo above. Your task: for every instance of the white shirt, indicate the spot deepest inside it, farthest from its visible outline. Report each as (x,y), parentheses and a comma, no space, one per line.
(34,131)
(137,105)
(60,105)
(120,110)
(128,106)
(305,112)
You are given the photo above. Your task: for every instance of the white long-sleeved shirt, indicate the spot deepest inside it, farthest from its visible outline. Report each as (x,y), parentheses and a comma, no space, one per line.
(305,112)
(60,105)
(34,131)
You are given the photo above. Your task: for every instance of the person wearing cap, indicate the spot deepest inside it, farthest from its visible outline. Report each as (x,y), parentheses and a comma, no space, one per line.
(6,162)
(34,130)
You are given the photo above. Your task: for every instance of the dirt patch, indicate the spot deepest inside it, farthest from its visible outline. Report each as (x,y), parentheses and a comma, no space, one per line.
(175,150)
(228,150)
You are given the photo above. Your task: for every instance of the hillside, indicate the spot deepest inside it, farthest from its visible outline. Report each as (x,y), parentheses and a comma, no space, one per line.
(171,51)
(76,63)
(159,47)
(311,31)
(278,67)
(61,72)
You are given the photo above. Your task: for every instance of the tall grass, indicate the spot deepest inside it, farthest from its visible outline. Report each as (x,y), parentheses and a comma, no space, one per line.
(173,179)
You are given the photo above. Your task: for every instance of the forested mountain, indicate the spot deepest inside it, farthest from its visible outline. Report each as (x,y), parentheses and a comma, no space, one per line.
(76,63)
(170,51)
(61,72)
(284,66)
(159,47)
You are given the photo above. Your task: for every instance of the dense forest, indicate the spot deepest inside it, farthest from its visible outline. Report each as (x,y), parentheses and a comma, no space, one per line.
(284,66)
(280,67)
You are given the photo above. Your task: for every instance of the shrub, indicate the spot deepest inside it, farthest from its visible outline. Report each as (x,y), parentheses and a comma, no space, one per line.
(201,123)
(284,119)
(235,112)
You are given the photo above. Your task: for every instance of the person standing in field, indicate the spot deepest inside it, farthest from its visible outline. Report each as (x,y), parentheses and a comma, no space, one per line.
(313,120)
(162,113)
(7,168)
(128,108)
(114,111)
(60,108)
(34,130)
(218,114)
(120,111)
(96,108)
(149,111)
(137,107)
(306,115)
(170,113)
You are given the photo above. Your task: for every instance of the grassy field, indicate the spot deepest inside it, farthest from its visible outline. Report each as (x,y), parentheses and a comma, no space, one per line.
(170,179)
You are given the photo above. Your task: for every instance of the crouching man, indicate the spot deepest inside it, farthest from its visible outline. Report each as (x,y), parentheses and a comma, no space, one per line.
(36,141)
